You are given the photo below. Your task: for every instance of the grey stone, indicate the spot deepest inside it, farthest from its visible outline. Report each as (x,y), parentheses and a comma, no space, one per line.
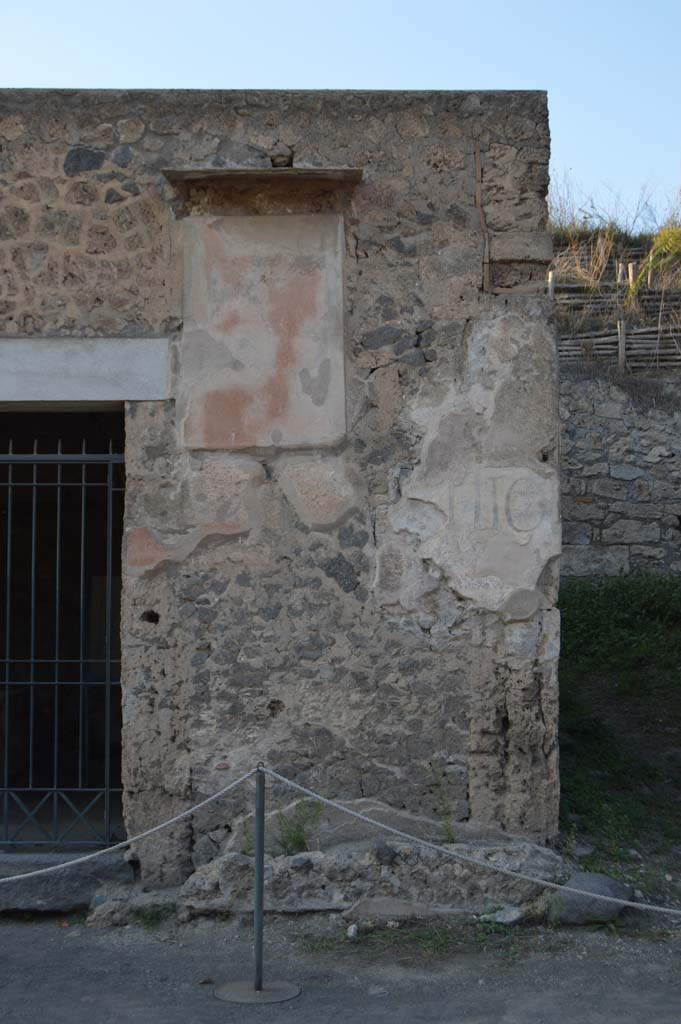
(414,357)
(69,889)
(232,153)
(343,572)
(576,533)
(611,410)
(593,560)
(336,877)
(349,537)
(405,343)
(122,156)
(569,908)
(113,906)
(625,472)
(657,453)
(384,336)
(405,246)
(386,854)
(81,159)
(631,531)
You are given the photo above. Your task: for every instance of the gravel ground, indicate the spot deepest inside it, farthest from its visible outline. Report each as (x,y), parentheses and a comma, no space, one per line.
(60,970)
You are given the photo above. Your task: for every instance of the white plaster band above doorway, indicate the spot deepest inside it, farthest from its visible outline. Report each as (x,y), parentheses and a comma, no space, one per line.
(83,369)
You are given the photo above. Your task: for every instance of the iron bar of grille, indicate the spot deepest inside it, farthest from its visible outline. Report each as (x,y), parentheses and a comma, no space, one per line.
(41,459)
(81,621)
(107,643)
(57,624)
(34,532)
(38,485)
(8,623)
(61,783)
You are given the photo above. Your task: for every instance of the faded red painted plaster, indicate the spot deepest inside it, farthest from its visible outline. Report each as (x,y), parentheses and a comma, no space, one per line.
(232,418)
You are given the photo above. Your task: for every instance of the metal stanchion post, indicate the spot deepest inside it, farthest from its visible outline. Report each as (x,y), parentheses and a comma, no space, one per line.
(259,890)
(243,991)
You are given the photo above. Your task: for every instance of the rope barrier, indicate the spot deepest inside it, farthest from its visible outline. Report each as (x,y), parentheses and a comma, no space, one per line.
(312,795)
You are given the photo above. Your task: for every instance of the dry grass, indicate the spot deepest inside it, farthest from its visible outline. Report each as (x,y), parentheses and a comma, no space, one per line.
(594,244)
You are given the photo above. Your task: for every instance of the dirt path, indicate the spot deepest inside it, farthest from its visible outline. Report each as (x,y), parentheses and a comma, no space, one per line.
(57,974)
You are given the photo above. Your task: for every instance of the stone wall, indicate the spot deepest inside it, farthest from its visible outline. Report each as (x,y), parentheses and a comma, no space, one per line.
(365,597)
(621,476)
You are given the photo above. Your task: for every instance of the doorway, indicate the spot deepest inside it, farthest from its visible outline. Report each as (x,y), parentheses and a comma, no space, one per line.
(62,479)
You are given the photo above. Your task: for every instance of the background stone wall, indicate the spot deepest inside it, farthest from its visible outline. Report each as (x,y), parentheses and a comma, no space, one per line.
(376,617)
(621,475)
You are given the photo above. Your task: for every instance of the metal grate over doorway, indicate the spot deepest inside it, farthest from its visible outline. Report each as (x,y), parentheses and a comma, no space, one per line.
(61,514)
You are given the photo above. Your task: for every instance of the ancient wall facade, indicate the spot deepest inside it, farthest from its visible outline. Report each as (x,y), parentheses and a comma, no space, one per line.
(342,523)
(621,476)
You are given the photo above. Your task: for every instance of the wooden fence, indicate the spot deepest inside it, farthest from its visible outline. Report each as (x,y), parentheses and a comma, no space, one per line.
(634,349)
(600,324)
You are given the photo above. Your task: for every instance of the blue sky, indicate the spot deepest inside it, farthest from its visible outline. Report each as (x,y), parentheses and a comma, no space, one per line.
(612,70)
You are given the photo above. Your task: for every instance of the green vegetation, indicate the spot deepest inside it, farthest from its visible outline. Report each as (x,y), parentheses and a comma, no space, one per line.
(248,840)
(416,940)
(152,917)
(292,829)
(443,803)
(664,261)
(621,719)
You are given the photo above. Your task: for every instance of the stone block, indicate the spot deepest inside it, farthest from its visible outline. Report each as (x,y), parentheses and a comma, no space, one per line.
(222,489)
(657,453)
(594,560)
(61,891)
(630,531)
(261,354)
(83,369)
(322,490)
(610,410)
(647,553)
(626,472)
(568,908)
(576,533)
(522,245)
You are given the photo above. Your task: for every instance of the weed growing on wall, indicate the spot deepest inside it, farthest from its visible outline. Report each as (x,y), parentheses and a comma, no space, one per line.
(293,830)
(443,803)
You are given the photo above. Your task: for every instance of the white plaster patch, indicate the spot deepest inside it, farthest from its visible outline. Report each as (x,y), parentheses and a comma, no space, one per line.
(483,516)
(499,528)
(401,577)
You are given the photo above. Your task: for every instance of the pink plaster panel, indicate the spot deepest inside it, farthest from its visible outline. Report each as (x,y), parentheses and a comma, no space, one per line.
(261,355)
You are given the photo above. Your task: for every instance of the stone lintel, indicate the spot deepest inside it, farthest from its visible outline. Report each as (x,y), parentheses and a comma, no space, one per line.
(259,178)
(83,370)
